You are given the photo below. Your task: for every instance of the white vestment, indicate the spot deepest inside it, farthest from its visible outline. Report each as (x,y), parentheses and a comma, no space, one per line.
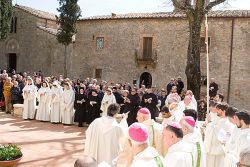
(196,143)
(244,140)
(231,157)
(168,121)
(182,106)
(106,101)
(155,131)
(56,94)
(179,155)
(29,96)
(172,97)
(68,98)
(217,133)
(104,138)
(176,114)
(146,158)
(43,110)
(194,103)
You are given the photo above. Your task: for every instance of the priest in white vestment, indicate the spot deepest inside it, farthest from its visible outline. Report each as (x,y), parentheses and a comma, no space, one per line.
(179,151)
(44,98)
(154,129)
(243,122)
(191,137)
(105,136)
(193,101)
(187,104)
(68,98)
(216,135)
(56,93)
(29,96)
(108,99)
(230,147)
(143,154)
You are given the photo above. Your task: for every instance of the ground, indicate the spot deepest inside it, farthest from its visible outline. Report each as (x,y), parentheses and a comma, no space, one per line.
(43,144)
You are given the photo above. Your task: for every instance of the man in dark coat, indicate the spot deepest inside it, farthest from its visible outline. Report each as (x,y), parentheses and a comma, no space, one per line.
(118,96)
(170,85)
(149,100)
(180,85)
(163,97)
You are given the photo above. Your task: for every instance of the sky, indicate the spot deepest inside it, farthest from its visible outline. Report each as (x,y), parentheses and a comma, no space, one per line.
(106,7)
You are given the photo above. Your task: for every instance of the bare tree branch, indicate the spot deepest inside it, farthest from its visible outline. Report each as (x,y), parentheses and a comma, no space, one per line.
(178,5)
(212,4)
(185,6)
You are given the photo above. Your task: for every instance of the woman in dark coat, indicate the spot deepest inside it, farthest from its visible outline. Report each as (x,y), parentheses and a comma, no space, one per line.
(94,106)
(132,106)
(15,93)
(81,107)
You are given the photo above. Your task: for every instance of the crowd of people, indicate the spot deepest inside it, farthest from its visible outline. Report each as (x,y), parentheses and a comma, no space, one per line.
(156,128)
(60,100)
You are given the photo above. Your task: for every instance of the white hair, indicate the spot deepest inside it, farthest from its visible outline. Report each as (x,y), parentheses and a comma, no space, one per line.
(189,127)
(245,156)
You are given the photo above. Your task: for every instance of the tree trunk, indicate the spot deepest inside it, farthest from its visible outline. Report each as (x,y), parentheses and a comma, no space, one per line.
(65,61)
(193,72)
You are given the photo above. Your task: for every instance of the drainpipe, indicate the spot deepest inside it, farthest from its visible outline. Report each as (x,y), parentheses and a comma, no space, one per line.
(230,62)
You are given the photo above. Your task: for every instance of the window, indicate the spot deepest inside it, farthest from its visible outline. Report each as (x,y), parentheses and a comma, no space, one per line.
(13,25)
(98,73)
(203,45)
(99,42)
(147,47)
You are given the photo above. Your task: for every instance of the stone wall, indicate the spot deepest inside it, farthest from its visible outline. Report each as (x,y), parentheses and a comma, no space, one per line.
(35,48)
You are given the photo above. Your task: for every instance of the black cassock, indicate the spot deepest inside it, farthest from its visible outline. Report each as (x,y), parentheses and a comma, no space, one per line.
(94,108)
(133,107)
(151,106)
(81,108)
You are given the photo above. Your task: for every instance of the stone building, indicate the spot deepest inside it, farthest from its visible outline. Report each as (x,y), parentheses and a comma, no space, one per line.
(135,48)
(32,44)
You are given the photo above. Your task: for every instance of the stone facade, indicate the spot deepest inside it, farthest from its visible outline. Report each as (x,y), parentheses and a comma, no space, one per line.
(35,48)
(121,58)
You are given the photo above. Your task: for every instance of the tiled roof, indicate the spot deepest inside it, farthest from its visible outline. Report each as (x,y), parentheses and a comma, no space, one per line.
(211,14)
(48,30)
(36,12)
(225,13)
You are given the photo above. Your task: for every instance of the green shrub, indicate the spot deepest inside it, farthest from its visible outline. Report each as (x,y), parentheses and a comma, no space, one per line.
(9,152)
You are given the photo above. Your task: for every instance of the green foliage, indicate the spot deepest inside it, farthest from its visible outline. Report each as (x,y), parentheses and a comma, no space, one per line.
(69,13)
(5,18)
(10,152)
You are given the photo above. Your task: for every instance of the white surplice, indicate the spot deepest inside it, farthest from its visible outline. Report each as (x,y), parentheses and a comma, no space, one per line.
(195,141)
(29,96)
(104,139)
(182,106)
(155,135)
(106,101)
(217,133)
(146,158)
(180,155)
(56,94)
(43,110)
(232,157)
(68,98)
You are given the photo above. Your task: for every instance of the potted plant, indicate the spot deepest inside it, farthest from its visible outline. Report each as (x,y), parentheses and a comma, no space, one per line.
(10,155)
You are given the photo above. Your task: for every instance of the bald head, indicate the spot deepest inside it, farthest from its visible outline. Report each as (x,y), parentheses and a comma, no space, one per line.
(85,161)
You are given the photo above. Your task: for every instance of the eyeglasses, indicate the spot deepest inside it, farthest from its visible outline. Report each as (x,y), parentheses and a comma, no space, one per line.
(241,165)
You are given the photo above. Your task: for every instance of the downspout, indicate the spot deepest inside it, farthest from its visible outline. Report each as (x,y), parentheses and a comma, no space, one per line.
(230,61)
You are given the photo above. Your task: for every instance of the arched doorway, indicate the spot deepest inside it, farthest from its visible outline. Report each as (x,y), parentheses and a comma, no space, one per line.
(146,79)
